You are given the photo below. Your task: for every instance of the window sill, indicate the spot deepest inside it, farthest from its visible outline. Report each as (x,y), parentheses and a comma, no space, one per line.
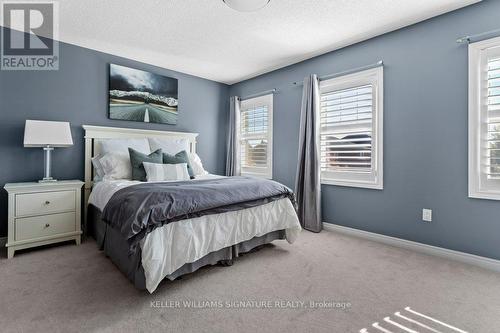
(258,175)
(488,195)
(366,185)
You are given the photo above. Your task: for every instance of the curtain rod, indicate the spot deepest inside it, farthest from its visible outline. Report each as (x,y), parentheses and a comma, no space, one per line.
(478,37)
(350,71)
(262,93)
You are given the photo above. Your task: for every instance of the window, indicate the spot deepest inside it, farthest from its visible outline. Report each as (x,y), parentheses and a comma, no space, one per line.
(256,136)
(351,129)
(484,119)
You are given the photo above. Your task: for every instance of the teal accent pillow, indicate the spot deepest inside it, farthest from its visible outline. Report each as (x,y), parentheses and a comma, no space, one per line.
(137,158)
(180,157)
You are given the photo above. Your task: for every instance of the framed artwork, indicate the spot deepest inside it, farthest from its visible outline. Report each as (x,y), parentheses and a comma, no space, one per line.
(137,95)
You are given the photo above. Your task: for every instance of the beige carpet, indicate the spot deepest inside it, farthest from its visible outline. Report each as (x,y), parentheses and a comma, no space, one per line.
(70,288)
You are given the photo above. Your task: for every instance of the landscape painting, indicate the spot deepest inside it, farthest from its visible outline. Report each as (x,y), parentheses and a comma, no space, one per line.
(142,96)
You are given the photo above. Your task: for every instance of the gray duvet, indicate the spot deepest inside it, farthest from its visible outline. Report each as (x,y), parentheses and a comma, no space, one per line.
(136,210)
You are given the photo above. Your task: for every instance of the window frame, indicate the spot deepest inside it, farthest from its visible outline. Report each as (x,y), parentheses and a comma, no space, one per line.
(352,178)
(479,186)
(259,101)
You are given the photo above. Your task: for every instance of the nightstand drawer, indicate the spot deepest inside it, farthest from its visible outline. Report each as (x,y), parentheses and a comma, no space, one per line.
(42,226)
(45,202)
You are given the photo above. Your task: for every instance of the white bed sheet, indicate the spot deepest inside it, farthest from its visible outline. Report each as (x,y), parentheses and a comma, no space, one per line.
(168,248)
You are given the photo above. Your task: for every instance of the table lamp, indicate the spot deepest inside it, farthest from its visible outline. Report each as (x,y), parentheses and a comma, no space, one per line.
(49,135)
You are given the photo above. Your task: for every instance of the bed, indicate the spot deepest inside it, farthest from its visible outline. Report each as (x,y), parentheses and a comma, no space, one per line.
(149,242)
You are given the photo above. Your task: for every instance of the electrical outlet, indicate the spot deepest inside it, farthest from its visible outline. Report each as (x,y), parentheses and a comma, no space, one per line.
(427,215)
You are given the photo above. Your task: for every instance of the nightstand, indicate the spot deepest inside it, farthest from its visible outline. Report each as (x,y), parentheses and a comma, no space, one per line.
(43,213)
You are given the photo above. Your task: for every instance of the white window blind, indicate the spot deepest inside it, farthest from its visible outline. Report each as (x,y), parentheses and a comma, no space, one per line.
(484,119)
(493,120)
(346,129)
(351,129)
(256,136)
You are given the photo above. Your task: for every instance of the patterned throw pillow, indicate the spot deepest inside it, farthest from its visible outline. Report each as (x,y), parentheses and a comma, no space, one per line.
(166,172)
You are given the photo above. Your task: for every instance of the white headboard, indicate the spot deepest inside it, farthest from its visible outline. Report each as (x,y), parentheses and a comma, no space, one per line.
(93,133)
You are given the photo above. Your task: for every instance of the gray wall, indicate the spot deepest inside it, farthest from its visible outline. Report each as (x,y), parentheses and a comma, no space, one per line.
(77,93)
(425,135)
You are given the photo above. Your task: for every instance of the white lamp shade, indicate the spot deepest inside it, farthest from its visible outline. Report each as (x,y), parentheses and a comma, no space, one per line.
(38,133)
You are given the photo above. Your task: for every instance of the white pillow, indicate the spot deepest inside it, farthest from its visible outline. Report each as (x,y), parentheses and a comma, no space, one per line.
(116,166)
(99,171)
(196,164)
(117,156)
(121,146)
(169,146)
(159,172)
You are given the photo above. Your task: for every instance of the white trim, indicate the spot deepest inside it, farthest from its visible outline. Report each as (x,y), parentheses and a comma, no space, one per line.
(352,183)
(3,241)
(483,262)
(375,178)
(479,187)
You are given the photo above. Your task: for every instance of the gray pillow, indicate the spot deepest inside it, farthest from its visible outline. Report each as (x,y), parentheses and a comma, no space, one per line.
(180,157)
(136,160)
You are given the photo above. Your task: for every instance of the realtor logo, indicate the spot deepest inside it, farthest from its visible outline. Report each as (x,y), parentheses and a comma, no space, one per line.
(29,35)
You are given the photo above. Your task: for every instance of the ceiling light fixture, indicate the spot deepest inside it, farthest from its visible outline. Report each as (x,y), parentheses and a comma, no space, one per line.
(246,5)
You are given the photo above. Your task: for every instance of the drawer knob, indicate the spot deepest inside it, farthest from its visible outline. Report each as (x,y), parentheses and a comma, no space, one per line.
(47,225)
(47,202)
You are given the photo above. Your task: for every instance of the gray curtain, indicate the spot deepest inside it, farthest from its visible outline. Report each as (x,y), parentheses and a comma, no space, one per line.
(307,182)
(233,167)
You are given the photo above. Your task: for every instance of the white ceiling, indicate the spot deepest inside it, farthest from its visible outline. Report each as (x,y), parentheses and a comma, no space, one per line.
(207,39)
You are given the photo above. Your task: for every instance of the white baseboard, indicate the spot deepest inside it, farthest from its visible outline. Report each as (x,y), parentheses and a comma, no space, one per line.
(3,241)
(463,257)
